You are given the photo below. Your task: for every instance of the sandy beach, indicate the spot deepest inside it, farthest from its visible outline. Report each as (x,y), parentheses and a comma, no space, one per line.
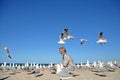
(82,74)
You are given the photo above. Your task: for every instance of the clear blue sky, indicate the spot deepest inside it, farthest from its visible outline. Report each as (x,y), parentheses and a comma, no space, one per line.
(31,29)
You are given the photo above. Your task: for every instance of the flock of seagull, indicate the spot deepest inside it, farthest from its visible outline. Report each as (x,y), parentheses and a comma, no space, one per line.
(65,36)
(101,68)
(35,68)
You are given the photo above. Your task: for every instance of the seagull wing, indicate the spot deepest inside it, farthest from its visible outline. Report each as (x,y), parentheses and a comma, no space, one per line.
(9,56)
(66,32)
(100,35)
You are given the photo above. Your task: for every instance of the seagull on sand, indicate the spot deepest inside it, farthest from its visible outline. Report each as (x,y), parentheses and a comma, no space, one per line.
(101,39)
(102,67)
(36,71)
(63,73)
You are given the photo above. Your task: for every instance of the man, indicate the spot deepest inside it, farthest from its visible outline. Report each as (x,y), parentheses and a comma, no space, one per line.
(67,61)
(68,65)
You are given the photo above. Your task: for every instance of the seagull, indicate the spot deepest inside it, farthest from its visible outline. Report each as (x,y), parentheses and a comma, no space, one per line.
(62,42)
(102,67)
(82,41)
(94,64)
(26,66)
(88,64)
(101,39)
(63,73)
(78,65)
(36,71)
(67,36)
(81,64)
(111,65)
(8,52)
(4,67)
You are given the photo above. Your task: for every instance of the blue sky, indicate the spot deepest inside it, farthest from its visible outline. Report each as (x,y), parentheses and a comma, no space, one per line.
(31,29)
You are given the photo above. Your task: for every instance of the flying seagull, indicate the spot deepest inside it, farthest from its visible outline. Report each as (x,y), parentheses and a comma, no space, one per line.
(82,41)
(62,42)
(67,36)
(101,39)
(8,52)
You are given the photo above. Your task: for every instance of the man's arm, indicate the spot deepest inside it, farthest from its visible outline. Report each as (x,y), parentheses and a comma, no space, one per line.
(65,61)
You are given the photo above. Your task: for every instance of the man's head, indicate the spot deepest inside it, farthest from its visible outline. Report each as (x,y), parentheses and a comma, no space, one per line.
(62,50)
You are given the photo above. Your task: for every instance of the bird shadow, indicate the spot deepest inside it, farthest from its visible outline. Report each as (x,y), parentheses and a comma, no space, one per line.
(4,78)
(38,75)
(101,75)
(75,75)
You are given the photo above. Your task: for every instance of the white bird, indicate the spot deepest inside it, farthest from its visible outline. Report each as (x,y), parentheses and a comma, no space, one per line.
(13,68)
(58,68)
(67,36)
(88,64)
(62,42)
(31,67)
(115,63)
(78,65)
(101,67)
(41,66)
(44,67)
(4,67)
(81,64)
(19,67)
(36,70)
(8,52)
(111,65)
(101,39)
(82,41)
(51,65)
(63,73)
(26,66)
(94,64)
(48,66)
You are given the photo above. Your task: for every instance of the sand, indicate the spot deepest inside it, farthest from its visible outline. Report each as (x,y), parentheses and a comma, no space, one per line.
(82,74)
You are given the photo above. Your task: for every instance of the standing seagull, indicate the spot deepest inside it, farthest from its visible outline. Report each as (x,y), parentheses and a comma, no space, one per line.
(63,73)
(61,39)
(67,35)
(8,52)
(82,41)
(101,39)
